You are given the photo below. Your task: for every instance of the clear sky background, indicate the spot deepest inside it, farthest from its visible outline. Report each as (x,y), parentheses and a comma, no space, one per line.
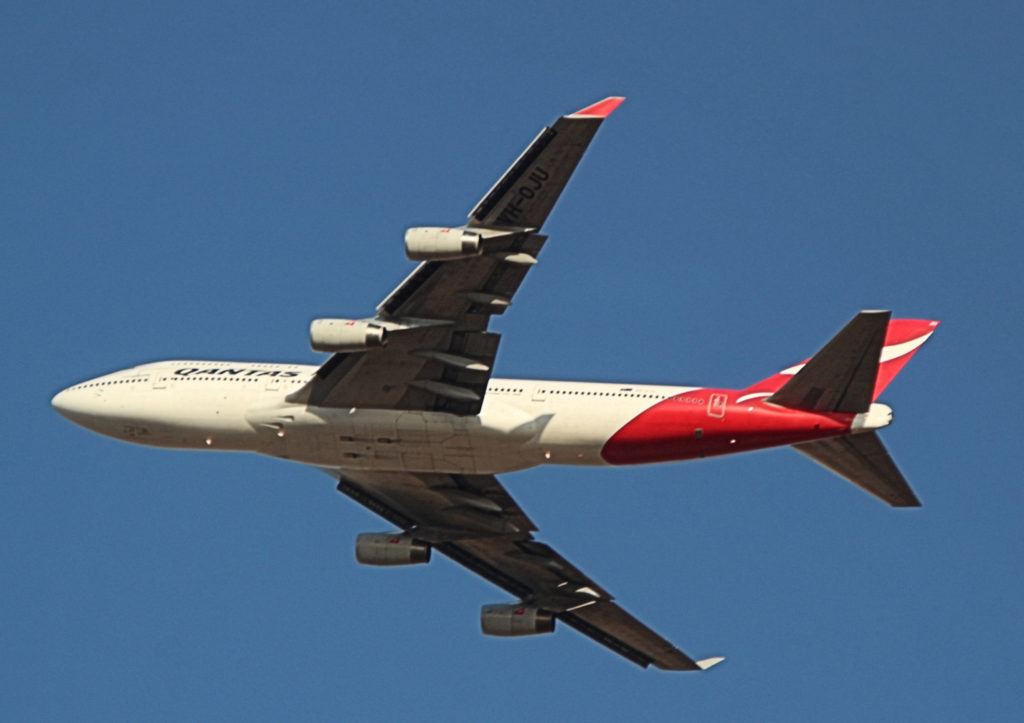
(199,180)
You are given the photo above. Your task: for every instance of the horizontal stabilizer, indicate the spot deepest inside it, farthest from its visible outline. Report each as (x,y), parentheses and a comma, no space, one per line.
(863,459)
(841,377)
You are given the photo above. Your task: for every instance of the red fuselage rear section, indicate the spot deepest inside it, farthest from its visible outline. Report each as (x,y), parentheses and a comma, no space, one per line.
(706,423)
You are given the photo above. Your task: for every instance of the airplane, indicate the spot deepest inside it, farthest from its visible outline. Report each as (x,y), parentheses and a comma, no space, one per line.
(408,420)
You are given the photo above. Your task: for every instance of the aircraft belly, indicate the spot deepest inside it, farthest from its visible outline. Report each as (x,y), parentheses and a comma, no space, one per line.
(504,437)
(574,420)
(575,434)
(395,440)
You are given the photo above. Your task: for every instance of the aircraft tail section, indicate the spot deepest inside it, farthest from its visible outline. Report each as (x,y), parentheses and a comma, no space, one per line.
(847,376)
(841,377)
(863,460)
(902,340)
(852,370)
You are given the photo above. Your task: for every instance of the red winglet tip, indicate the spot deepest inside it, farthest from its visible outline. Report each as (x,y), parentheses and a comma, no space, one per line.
(601,109)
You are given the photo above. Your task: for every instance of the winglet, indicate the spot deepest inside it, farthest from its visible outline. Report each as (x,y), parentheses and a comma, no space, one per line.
(709,662)
(601,109)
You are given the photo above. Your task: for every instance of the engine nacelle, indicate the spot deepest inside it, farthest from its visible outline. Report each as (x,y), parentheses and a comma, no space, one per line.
(438,244)
(345,335)
(391,548)
(512,620)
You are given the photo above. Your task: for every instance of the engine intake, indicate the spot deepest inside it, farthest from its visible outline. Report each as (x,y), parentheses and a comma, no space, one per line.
(391,548)
(345,335)
(514,620)
(438,244)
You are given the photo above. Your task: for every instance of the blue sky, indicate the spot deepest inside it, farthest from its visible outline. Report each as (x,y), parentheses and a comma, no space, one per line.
(200,180)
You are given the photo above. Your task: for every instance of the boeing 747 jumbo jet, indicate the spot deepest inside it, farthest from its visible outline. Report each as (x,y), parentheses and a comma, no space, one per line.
(406,416)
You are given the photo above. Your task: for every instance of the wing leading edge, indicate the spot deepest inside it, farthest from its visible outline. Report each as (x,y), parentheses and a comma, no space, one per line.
(474,521)
(439,354)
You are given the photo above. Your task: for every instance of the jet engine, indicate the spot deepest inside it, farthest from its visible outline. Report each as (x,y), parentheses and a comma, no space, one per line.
(391,548)
(514,620)
(439,244)
(345,335)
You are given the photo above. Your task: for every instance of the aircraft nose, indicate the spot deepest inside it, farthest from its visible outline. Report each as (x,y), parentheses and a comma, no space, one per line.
(61,402)
(73,404)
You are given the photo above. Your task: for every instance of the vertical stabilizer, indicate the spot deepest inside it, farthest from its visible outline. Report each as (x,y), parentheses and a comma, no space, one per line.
(902,338)
(846,376)
(841,377)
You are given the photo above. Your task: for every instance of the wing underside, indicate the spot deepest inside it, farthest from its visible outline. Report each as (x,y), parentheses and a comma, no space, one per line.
(441,357)
(474,521)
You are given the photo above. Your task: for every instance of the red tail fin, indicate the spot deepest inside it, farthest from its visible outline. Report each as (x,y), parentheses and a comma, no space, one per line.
(903,338)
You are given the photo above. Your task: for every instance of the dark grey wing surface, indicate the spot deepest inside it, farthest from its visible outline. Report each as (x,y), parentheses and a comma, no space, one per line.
(441,360)
(474,521)
(525,195)
(445,362)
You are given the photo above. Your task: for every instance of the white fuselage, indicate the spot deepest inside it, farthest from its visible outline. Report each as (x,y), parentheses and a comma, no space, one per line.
(242,406)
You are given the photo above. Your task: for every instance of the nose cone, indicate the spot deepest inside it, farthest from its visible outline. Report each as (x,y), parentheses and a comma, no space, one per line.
(76,405)
(62,403)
